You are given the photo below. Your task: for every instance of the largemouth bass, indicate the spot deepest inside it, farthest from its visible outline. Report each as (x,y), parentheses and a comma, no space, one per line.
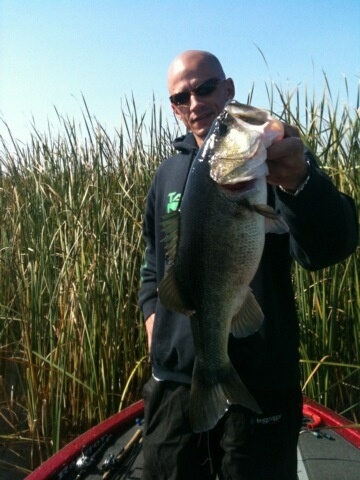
(214,245)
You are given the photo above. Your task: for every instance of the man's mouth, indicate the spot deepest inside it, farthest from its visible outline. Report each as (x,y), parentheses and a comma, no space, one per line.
(201,118)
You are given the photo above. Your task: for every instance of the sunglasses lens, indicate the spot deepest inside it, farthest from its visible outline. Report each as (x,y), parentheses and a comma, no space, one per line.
(180,98)
(206,88)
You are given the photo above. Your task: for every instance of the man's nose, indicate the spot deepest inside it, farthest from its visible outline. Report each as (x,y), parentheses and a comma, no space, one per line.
(194,100)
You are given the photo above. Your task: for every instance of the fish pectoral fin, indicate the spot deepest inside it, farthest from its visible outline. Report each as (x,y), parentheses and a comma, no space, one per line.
(248,319)
(274,223)
(170,296)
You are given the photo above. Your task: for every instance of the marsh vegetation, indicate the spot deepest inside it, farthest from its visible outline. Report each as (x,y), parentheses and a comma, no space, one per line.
(72,343)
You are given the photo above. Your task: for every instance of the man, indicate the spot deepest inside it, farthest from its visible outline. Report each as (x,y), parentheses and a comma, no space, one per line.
(322,231)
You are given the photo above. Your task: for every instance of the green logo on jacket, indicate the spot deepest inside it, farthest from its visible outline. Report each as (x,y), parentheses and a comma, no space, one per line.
(173,202)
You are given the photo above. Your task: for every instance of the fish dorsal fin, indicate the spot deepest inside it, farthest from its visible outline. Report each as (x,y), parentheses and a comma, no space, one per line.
(170,296)
(274,223)
(170,225)
(169,293)
(249,318)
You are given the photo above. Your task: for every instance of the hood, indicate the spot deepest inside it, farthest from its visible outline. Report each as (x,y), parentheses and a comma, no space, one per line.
(185,143)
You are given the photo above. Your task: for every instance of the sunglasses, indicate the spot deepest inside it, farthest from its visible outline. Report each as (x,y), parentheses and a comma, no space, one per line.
(203,90)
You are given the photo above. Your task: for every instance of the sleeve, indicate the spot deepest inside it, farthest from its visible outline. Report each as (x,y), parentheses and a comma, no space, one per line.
(148,288)
(322,221)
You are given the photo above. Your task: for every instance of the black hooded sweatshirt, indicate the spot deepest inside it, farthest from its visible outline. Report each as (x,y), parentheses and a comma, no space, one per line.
(322,231)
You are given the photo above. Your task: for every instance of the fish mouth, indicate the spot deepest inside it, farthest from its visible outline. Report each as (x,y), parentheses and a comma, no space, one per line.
(238,187)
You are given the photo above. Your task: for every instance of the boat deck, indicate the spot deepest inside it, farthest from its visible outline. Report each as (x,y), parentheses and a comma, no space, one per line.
(327,457)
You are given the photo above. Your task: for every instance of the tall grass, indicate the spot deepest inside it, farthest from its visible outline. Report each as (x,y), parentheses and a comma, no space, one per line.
(329,300)
(72,343)
(71,248)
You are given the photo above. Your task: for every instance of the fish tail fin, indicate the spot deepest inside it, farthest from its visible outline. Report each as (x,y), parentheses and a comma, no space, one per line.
(212,393)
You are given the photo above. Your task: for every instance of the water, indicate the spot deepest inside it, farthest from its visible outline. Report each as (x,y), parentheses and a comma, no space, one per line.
(14,460)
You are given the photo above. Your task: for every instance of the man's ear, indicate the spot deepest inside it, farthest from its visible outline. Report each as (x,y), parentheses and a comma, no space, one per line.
(230,88)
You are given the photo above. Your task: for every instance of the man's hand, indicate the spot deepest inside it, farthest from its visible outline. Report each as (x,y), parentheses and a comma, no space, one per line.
(149,324)
(286,160)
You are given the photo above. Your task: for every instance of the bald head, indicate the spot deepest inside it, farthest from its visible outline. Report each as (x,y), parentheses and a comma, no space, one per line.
(193,62)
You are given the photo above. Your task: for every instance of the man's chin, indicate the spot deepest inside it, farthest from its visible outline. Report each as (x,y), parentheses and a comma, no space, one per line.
(201,128)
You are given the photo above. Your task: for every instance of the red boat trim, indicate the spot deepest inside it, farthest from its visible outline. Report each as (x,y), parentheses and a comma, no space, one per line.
(314,420)
(63,458)
(329,418)
(319,415)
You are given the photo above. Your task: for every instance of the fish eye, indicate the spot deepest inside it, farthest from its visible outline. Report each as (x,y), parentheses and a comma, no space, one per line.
(222,128)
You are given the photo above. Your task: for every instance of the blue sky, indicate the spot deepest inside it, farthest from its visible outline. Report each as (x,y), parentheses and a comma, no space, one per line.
(54,51)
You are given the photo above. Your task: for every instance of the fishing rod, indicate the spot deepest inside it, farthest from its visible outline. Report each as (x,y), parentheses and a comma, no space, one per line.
(113,464)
